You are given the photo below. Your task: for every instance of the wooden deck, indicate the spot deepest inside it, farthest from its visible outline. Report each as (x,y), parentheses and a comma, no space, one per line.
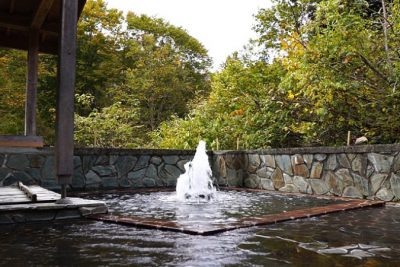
(15,195)
(22,204)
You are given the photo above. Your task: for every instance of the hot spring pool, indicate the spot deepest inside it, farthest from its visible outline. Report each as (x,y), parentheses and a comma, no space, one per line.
(227,208)
(367,237)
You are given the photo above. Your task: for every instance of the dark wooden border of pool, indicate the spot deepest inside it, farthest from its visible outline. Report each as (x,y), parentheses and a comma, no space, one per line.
(244,222)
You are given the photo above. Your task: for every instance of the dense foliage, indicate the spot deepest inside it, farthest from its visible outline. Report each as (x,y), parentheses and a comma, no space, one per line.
(12,80)
(133,72)
(323,68)
(318,69)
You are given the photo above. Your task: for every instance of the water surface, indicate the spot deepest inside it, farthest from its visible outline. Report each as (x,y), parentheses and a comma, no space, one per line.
(306,242)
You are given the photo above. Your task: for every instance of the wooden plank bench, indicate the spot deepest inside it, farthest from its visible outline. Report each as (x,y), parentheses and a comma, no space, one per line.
(21,141)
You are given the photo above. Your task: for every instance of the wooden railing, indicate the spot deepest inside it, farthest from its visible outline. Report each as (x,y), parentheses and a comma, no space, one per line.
(21,141)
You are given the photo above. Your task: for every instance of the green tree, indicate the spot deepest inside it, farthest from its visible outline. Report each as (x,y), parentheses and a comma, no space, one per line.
(340,76)
(167,68)
(98,65)
(325,67)
(239,109)
(113,126)
(140,62)
(151,68)
(100,41)
(12,91)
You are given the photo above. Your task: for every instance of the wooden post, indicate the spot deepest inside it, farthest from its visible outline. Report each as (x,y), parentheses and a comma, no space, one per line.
(31,83)
(65,94)
(348,138)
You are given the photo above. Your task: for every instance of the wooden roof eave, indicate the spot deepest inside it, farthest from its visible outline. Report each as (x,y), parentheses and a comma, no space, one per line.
(16,26)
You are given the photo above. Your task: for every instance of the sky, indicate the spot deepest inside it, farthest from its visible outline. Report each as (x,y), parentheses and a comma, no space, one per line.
(222,26)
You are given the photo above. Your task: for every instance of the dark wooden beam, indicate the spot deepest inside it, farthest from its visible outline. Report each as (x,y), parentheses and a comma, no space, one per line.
(23,23)
(18,42)
(65,94)
(14,22)
(41,13)
(21,141)
(31,83)
(12,6)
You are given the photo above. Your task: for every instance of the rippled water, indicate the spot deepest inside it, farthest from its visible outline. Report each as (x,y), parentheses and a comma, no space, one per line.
(295,243)
(227,207)
(303,242)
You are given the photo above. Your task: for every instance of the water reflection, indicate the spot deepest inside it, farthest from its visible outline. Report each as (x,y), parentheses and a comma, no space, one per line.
(295,243)
(227,206)
(357,238)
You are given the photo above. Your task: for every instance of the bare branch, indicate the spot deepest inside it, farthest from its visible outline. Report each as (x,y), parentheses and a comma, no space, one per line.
(375,70)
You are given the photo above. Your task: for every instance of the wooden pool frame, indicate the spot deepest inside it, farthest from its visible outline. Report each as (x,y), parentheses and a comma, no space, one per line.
(245,222)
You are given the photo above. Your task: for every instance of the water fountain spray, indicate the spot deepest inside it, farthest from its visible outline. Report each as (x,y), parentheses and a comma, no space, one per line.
(196,183)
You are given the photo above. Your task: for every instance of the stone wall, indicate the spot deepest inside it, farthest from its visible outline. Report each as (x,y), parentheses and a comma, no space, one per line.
(354,171)
(95,168)
(371,171)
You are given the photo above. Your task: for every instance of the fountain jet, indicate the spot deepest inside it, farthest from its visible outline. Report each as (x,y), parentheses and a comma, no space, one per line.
(196,183)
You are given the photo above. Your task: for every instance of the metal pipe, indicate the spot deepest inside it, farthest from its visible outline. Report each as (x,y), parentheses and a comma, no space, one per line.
(63,191)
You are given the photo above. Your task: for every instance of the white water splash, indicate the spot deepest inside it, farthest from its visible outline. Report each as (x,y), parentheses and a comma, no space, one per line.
(196,184)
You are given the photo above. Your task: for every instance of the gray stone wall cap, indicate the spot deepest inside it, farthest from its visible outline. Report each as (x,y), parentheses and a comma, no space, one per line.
(27,151)
(384,148)
(123,151)
(99,151)
(356,149)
